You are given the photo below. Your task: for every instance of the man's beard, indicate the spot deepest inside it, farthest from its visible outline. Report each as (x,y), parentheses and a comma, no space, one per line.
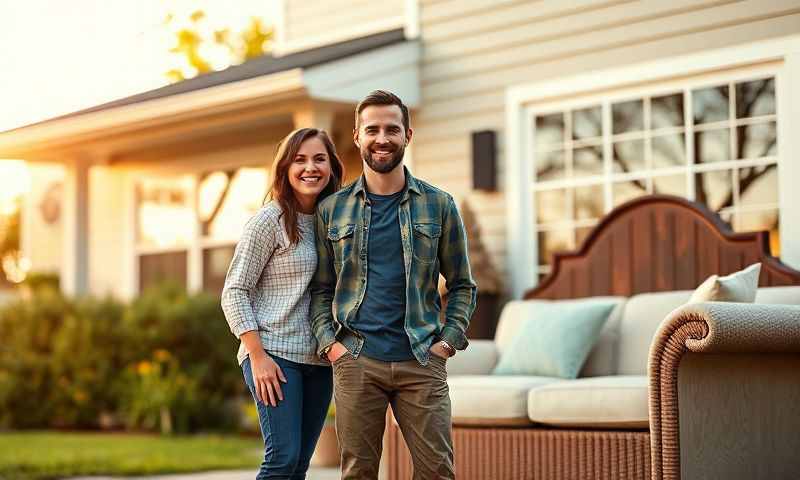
(384,166)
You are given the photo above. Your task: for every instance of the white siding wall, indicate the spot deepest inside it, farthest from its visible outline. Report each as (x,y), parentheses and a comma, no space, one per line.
(41,241)
(475,49)
(311,24)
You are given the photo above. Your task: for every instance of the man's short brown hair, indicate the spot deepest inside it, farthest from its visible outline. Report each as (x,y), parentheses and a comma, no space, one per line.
(383,97)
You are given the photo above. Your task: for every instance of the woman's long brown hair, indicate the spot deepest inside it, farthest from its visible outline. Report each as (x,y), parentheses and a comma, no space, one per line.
(281,190)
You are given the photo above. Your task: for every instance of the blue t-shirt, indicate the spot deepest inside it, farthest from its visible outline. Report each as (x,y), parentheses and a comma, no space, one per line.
(381,317)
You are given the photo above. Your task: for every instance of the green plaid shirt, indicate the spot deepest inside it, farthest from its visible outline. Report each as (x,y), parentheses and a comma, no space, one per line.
(434,241)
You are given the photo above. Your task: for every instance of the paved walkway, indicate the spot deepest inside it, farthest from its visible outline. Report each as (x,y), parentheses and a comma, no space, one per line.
(313,474)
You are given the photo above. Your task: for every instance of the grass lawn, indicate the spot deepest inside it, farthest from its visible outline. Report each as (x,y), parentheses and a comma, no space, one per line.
(48,455)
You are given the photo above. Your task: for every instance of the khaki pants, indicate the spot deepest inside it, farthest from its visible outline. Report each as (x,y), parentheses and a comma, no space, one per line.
(363,387)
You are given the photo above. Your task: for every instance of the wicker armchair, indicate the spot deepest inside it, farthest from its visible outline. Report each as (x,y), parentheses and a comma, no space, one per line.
(724,392)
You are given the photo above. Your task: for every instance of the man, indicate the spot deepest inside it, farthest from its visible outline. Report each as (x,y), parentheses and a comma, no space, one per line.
(381,244)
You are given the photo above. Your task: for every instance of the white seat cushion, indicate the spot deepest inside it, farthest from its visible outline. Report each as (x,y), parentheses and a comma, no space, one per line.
(618,401)
(492,399)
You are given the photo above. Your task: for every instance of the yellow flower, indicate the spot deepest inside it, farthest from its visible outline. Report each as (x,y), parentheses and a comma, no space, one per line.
(80,396)
(144,367)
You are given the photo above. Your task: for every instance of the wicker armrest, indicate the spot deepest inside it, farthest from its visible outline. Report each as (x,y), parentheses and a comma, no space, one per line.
(478,359)
(712,327)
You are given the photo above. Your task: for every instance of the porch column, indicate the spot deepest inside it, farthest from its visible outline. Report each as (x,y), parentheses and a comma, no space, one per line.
(75,255)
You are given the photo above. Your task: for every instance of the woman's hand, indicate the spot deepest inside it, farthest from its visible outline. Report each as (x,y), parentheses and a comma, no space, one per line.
(336,351)
(267,378)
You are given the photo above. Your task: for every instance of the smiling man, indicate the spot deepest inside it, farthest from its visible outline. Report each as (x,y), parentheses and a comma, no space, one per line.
(382,243)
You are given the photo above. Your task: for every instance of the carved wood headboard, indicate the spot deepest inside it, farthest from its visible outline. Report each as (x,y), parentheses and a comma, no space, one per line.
(658,243)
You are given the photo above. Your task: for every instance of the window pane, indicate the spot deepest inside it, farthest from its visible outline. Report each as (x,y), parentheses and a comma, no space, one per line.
(624,191)
(668,150)
(549,130)
(162,267)
(666,111)
(587,123)
(710,105)
(551,206)
(550,166)
(755,98)
(714,189)
(758,185)
(712,146)
(587,161)
(670,184)
(228,199)
(215,268)
(629,156)
(756,141)
(627,117)
(165,217)
(759,221)
(589,202)
(552,241)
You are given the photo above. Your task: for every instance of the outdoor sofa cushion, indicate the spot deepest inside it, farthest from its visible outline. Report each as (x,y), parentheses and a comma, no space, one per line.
(601,359)
(617,401)
(492,399)
(555,338)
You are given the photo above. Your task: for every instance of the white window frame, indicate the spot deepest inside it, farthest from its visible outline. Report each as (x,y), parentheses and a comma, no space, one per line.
(779,57)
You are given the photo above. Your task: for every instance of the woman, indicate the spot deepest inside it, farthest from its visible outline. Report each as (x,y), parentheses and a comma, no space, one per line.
(266,303)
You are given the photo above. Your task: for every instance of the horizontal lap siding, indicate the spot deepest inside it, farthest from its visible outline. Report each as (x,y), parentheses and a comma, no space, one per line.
(473,50)
(336,20)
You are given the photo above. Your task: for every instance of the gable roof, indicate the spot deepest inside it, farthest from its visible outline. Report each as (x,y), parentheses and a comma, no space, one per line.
(258,67)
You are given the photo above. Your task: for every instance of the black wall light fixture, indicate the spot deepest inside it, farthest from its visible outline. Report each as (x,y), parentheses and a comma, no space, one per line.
(484,160)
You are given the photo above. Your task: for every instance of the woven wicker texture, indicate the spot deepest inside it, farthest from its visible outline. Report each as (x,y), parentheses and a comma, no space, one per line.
(527,454)
(710,328)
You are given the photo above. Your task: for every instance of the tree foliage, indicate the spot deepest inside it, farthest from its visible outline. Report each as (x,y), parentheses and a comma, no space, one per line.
(193,41)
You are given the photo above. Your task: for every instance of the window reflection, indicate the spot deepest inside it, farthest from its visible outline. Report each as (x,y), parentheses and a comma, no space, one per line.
(624,191)
(710,105)
(714,189)
(551,206)
(712,146)
(755,98)
(587,123)
(668,150)
(587,161)
(666,111)
(756,141)
(588,202)
(228,199)
(550,165)
(165,217)
(549,130)
(627,116)
(629,156)
(670,185)
(758,185)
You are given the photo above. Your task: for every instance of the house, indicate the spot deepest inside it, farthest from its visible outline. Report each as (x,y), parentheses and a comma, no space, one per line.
(542,115)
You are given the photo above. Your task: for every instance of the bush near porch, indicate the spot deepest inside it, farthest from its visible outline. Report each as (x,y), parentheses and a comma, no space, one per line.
(163,362)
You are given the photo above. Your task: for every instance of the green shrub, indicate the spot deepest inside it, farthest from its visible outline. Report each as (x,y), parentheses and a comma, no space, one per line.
(166,362)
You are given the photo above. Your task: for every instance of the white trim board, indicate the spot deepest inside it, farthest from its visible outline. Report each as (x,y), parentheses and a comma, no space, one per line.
(781,56)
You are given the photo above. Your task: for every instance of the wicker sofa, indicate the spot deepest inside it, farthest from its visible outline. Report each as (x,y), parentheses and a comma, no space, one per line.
(621,417)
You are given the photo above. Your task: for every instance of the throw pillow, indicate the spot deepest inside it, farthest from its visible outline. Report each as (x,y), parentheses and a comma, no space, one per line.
(739,286)
(556,339)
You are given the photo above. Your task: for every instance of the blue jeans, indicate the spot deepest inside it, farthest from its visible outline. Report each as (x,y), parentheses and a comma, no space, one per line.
(292,428)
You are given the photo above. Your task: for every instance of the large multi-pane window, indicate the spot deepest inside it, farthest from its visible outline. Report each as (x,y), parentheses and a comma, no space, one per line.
(164,229)
(715,143)
(226,200)
(177,216)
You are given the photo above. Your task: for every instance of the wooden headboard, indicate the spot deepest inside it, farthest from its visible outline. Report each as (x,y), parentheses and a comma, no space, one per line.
(658,243)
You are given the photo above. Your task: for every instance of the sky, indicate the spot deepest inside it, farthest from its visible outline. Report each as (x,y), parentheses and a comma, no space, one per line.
(59,56)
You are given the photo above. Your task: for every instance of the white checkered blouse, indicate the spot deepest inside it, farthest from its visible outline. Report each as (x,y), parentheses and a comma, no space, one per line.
(266,288)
